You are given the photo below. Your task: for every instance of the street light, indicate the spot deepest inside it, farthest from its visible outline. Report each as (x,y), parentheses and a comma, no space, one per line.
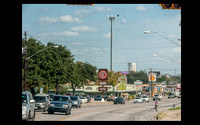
(41,51)
(147,32)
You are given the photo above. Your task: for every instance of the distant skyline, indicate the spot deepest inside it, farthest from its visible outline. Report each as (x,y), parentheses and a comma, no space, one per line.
(85,31)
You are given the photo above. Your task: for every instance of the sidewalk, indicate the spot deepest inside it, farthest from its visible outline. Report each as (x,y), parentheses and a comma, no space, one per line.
(168,115)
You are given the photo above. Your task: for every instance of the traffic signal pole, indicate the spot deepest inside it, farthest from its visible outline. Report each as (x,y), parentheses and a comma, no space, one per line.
(25,62)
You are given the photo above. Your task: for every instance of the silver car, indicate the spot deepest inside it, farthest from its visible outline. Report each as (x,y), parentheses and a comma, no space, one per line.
(145,98)
(28,106)
(138,99)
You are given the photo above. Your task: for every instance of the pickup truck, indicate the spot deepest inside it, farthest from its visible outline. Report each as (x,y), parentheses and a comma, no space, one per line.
(157,97)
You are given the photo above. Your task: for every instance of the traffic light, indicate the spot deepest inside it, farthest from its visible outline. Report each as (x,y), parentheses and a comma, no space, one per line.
(170,6)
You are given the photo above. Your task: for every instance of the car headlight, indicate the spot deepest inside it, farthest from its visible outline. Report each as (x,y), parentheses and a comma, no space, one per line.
(65,106)
(51,105)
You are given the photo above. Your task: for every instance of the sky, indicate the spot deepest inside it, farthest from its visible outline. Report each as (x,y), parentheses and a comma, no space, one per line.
(85,31)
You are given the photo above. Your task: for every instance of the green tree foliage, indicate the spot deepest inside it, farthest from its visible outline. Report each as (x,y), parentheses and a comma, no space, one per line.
(133,76)
(53,66)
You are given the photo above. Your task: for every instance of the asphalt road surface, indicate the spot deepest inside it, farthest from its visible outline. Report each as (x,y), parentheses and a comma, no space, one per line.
(110,112)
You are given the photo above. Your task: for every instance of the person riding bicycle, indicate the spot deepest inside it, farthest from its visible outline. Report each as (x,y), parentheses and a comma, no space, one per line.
(156,106)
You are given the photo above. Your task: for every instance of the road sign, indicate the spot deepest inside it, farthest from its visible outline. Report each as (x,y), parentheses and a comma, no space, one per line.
(102,89)
(103,74)
(152,77)
(102,82)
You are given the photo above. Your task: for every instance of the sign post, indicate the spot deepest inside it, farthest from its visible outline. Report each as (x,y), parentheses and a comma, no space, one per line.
(103,77)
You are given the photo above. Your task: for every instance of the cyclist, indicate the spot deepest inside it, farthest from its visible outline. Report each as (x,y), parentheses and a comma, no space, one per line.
(156,106)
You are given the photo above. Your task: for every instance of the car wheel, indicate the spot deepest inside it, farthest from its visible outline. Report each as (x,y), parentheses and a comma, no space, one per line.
(67,111)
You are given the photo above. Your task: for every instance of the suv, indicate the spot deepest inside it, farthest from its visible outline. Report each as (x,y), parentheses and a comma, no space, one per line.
(41,102)
(76,101)
(98,97)
(171,95)
(119,100)
(60,103)
(28,106)
(157,97)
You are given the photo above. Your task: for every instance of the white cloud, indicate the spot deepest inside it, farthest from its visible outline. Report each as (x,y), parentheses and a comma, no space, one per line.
(84,28)
(124,20)
(107,35)
(141,8)
(78,44)
(82,13)
(66,33)
(102,9)
(64,18)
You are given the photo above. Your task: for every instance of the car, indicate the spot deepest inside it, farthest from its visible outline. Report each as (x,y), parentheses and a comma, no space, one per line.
(138,99)
(41,102)
(157,97)
(171,95)
(60,103)
(98,98)
(119,100)
(76,101)
(83,99)
(145,98)
(179,95)
(28,106)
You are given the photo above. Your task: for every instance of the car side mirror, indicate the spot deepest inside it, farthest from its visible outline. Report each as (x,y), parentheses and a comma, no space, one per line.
(32,101)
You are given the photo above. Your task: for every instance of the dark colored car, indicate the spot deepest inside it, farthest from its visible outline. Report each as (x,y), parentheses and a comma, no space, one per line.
(171,95)
(76,101)
(119,100)
(41,103)
(98,98)
(60,103)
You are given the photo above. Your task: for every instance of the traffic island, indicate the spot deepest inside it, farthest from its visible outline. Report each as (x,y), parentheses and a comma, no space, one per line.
(173,114)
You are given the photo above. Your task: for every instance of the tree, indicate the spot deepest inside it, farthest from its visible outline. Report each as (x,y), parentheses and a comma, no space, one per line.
(133,76)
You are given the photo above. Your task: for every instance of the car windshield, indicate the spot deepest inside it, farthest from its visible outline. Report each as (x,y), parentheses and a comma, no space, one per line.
(24,98)
(39,98)
(171,94)
(60,98)
(74,97)
(82,97)
(120,98)
(144,97)
(137,98)
(156,95)
(98,96)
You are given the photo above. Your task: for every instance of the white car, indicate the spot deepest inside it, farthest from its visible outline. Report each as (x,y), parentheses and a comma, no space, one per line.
(145,98)
(83,99)
(138,99)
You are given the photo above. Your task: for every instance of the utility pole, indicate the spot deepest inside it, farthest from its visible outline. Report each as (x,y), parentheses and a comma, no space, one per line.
(111,18)
(25,62)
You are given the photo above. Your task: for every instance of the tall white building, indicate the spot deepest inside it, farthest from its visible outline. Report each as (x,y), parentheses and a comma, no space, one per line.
(132,66)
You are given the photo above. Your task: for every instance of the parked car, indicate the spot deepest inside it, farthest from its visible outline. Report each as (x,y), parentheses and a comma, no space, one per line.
(83,99)
(145,98)
(98,98)
(119,100)
(179,95)
(28,106)
(138,99)
(157,97)
(171,95)
(76,101)
(60,103)
(41,102)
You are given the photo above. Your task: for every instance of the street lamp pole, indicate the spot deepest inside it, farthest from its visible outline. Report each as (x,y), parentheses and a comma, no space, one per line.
(147,32)
(25,61)
(111,18)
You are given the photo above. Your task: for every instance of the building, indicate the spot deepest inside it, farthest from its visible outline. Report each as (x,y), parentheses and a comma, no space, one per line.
(132,66)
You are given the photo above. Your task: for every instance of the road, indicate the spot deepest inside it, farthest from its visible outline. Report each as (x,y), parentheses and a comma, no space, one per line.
(110,112)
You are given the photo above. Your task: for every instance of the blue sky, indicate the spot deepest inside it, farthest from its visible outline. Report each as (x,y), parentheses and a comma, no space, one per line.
(86,33)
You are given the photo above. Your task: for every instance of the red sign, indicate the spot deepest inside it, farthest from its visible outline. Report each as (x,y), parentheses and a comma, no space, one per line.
(102,89)
(103,74)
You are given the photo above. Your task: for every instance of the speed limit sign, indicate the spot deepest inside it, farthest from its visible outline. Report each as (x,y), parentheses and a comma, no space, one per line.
(103,74)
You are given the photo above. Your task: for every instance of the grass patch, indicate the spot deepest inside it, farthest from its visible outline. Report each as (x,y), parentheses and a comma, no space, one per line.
(177,108)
